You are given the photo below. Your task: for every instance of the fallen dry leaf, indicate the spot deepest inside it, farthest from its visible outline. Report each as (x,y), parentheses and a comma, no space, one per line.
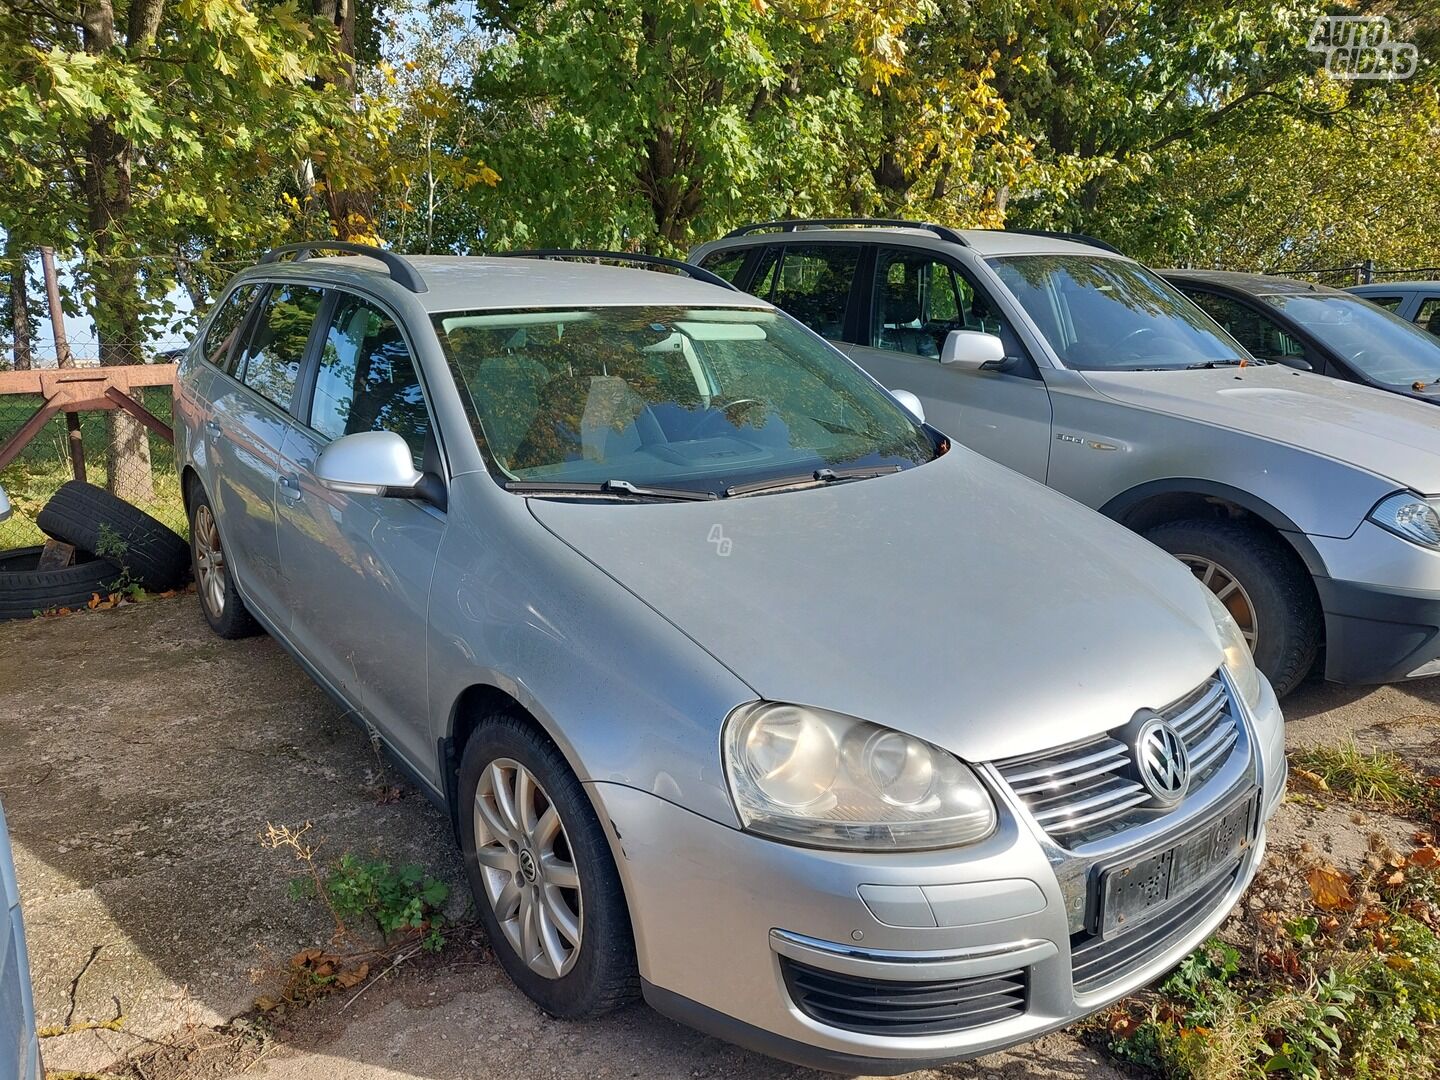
(93,602)
(1396,879)
(1427,857)
(1330,888)
(353,977)
(1315,780)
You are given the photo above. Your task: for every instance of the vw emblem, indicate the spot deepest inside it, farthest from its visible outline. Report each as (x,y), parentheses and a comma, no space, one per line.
(1161,760)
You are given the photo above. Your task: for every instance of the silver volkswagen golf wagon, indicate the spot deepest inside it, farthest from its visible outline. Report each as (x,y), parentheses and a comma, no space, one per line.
(745,690)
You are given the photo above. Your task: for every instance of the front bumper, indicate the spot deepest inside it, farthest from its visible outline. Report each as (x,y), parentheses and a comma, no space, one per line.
(723,919)
(1381,601)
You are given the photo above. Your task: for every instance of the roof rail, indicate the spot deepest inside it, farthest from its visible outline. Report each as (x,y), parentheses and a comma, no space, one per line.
(942,231)
(696,272)
(402,270)
(1073,237)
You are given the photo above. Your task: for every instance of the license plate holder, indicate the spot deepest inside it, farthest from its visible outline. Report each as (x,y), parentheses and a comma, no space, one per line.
(1133,892)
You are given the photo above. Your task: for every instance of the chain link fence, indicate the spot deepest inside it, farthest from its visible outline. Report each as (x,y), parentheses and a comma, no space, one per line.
(121,455)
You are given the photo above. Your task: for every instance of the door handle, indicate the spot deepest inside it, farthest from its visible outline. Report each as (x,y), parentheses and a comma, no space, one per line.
(212,429)
(290,486)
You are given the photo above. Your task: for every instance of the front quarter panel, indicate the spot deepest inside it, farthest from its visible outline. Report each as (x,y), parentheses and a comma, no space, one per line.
(626,696)
(1315,494)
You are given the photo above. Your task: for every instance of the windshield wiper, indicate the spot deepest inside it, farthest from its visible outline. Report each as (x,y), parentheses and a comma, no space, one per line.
(620,488)
(1233,362)
(818,478)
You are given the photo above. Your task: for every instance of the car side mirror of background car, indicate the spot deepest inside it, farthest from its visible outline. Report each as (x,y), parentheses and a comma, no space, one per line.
(370,463)
(4,505)
(910,403)
(1299,363)
(971,350)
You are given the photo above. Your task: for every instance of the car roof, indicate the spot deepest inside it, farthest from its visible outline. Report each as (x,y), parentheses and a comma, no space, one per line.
(1396,286)
(1254,284)
(469,283)
(984,242)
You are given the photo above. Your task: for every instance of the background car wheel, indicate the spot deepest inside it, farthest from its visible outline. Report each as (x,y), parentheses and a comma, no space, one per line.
(542,874)
(25,590)
(1262,583)
(155,554)
(224,610)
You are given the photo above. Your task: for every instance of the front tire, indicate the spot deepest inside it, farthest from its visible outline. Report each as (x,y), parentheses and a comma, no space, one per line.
(540,868)
(1263,585)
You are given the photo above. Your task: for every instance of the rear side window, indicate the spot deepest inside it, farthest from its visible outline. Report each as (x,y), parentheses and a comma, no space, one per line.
(728,263)
(366,379)
(1389,303)
(811,283)
(1428,317)
(271,361)
(218,347)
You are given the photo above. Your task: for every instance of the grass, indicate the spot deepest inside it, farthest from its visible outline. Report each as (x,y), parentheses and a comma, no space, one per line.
(44,465)
(1332,975)
(1375,777)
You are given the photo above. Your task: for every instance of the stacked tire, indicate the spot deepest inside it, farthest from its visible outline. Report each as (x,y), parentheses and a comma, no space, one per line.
(137,549)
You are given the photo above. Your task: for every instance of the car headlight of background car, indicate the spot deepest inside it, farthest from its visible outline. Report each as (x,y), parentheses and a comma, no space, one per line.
(1410,516)
(1239,661)
(809,776)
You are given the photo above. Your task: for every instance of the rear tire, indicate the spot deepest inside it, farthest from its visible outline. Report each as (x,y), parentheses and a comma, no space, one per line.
(1272,583)
(598,972)
(220,602)
(25,590)
(156,556)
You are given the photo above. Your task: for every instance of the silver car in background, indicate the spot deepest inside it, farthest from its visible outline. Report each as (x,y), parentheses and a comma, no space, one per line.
(1310,507)
(746,691)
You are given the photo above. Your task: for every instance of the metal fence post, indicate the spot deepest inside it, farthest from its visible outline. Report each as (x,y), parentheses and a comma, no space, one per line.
(1367,272)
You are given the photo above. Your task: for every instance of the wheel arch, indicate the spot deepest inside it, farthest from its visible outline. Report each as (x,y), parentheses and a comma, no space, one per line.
(1154,503)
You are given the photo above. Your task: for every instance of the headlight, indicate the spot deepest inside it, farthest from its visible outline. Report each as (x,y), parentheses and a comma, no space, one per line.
(1408,515)
(814,777)
(1238,658)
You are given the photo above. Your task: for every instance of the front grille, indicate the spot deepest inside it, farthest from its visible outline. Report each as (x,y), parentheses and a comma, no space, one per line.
(931,1007)
(1083,791)
(1095,962)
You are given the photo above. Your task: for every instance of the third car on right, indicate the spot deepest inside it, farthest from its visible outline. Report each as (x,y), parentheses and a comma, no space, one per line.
(1317,328)
(1415,301)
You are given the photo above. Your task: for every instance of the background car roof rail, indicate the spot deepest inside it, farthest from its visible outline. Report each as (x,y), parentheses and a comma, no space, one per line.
(697,272)
(402,270)
(1073,237)
(942,231)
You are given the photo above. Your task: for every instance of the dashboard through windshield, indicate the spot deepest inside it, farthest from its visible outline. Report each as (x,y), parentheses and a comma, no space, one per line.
(1102,314)
(703,399)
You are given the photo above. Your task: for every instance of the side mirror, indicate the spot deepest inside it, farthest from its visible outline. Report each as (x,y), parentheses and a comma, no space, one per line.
(1299,363)
(910,403)
(4,505)
(369,463)
(971,350)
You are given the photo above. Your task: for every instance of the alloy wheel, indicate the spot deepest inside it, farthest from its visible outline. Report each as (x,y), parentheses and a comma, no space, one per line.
(1228,591)
(528,868)
(209,561)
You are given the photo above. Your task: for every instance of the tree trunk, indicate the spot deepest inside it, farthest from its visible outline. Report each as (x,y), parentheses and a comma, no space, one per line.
(350,210)
(114,276)
(19,306)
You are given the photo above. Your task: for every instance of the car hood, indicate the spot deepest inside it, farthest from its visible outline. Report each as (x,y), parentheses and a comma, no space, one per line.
(957,601)
(1386,434)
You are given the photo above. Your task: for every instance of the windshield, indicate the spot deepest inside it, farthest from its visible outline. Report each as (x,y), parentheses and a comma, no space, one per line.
(1382,346)
(701,399)
(1111,315)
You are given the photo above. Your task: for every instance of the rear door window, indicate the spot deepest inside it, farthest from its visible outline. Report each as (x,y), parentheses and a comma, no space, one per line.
(276,345)
(1389,303)
(812,283)
(1428,317)
(218,346)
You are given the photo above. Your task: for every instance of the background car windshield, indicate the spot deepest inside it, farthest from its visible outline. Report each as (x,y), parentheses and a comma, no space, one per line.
(1380,345)
(1108,314)
(700,398)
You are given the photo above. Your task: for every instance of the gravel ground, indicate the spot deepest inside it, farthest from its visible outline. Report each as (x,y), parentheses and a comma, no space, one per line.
(138,783)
